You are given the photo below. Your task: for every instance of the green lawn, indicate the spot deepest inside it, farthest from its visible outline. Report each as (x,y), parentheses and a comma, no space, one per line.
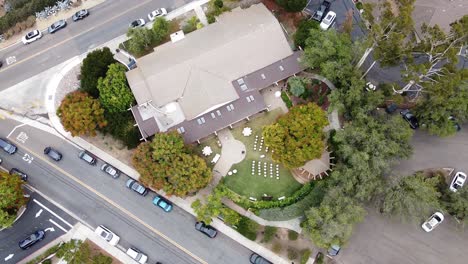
(244,183)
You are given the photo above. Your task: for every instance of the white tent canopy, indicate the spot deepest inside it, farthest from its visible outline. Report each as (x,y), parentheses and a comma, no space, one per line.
(247,131)
(207,151)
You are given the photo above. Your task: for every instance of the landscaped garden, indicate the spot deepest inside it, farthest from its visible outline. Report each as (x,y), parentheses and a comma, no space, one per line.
(258,174)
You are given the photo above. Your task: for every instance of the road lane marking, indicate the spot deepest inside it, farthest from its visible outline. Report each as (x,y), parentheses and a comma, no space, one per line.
(57,225)
(9,257)
(125,211)
(13,130)
(70,38)
(49,229)
(39,213)
(54,214)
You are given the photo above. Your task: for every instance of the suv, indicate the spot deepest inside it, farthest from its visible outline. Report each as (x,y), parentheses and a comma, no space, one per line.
(7,146)
(32,239)
(137,187)
(257,259)
(21,174)
(53,154)
(86,156)
(137,255)
(107,235)
(410,118)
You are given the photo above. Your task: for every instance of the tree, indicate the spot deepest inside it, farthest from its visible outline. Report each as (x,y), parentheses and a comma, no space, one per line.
(297,136)
(412,197)
(115,94)
(11,198)
(303,32)
(456,203)
(140,40)
(332,222)
(297,85)
(95,66)
(160,29)
(165,163)
(102,259)
(80,114)
(75,252)
(214,207)
(292,5)
(191,25)
(444,98)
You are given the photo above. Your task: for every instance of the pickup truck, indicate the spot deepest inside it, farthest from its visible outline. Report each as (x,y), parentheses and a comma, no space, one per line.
(321,11)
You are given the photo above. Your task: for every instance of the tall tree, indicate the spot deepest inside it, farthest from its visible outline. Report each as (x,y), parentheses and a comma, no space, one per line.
(456,203)
(297,136)
(115,94)
(167,164)
(95,66)
(297,85)
(303,32)
(80,114)
(11,198)
(140,40)
(412,197)
(160,29)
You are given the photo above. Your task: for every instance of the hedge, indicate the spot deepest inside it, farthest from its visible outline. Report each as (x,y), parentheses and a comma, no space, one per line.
(248,228)
(22,12)
(305,255)
(286,99)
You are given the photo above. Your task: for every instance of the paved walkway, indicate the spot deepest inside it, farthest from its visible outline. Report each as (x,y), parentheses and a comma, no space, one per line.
(232,152)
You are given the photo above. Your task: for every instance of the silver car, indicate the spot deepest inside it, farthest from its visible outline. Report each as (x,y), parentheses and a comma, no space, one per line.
(110,170)
(57,26)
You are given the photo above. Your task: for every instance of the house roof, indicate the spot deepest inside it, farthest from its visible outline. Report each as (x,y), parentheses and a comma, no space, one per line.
(197,71)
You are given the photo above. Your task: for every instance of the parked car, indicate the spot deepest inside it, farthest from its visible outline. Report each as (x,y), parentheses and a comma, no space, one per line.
(22,175)
(86,156)
(162,203)
(137,23)
(458,181)
(257,259)
(137,255)
(7,146)
(110,170)
(157,13)
(31,36)
(206,229)
(107,235)
(32,239)
(321,11)
(328,20)
(53,154)
(333,250)
(433,221)
(137,187)
(80,15)
(410,118)
(57,26)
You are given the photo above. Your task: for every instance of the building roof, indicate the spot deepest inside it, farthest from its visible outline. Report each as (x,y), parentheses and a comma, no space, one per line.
(198,71)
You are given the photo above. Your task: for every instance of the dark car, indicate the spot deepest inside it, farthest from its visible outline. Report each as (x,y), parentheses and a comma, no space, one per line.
(206,229)
(410,118)
(53,154)
(257,259)
(1,63)
(21,174)
(80,15)
(7,146)
(321,11)
(137,187)
(32,239)
(57,26)
(162,203)
(86,156)
(108,169)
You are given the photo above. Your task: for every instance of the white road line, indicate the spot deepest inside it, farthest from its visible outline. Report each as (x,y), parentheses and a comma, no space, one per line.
(57,225)
(54,214)
(18,126)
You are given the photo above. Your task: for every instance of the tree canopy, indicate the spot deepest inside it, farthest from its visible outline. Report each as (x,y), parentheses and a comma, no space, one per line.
(160,29)
(303,32)
(11,198)
(140,40)
(80,114)
(95,66)
(297,85)
(297,136)
(77,252)
(292,5)
(165,163)
(114,93)
(456,203)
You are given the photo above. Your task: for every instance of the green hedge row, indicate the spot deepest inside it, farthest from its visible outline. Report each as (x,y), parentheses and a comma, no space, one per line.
(22,12)
(286,99)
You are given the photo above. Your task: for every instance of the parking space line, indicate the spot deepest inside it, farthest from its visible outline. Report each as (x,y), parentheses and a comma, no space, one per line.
(57,225)
(13,130)
(54,214)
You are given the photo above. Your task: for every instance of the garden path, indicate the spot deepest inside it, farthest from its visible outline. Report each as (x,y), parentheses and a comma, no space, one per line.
(232,152)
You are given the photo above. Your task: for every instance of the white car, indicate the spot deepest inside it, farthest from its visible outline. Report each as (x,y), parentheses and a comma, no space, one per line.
(31,37)
(137,255)
(328,20)
(107,235)
(137,23)
(157,13)
(433,221)
(458,181)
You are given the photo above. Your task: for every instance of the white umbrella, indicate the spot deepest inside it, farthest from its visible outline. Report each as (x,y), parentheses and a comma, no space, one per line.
(207,151)
(247,131)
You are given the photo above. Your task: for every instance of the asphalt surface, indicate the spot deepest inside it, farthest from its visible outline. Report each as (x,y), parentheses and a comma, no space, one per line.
(382,240)
(40,215)
(106,21)
(96,198)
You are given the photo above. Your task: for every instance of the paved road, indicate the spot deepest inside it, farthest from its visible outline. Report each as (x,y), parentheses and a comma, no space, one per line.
(105,22)
(106,201)
(40,215)
(382,240)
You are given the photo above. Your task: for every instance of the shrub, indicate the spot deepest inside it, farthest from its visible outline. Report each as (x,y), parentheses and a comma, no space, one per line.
(303,32)
(211,18)
(319,258)
(286,99)
(270,232)
(292,253)
(248,228)
(292,235)
(359,5)
(219,3)
(292,5)
(277,248)
(47,261)
(305,255)
(191,25)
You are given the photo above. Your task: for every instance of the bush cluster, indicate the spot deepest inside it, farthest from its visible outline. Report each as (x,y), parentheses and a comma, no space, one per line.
(248,228)
(286,99)
(20,12)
